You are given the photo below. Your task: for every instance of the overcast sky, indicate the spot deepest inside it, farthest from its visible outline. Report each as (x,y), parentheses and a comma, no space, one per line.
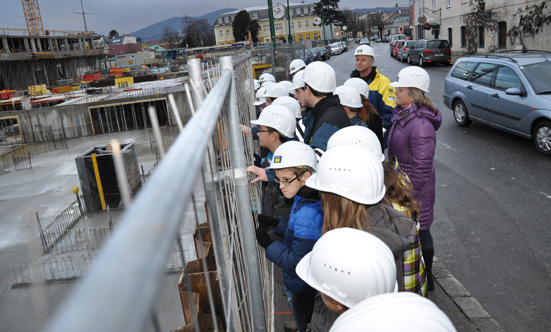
(129,16)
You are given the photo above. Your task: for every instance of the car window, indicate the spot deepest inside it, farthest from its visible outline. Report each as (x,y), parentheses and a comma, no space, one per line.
(483,73)
(438,44)
(420,44)
(507,78)
(539,76)
(462,70)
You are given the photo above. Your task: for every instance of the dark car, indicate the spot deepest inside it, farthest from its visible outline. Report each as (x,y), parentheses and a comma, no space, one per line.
(508,91)
(317,54)
(309,56)
(430,51)
(385,39)
(325,53)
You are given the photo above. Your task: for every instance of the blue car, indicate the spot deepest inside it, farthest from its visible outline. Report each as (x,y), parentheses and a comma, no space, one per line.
(509,91)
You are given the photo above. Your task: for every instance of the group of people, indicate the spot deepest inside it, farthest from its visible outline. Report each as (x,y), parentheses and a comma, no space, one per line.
(349,227)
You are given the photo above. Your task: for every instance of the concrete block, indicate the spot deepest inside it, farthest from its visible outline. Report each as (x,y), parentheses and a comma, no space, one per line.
(471,307)
(453,287)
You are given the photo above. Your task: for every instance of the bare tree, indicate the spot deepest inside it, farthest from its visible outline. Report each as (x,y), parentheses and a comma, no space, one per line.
(197,33)
(170,36)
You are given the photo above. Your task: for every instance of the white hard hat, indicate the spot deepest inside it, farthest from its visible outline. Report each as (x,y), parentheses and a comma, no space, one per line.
(349,265)
(294,154)
(364,50)
(256,85)
(320,77)
(266,77)
(296,65)
(359,136)
(359,84)
(298,81)
(349,96)
(413,77)
(279,118)
(287,84)
(276,90)
(291,103)
(352,172)
(394,312)
(259,97)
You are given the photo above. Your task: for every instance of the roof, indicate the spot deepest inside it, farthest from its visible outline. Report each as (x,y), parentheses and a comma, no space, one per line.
(125,49)
(265,7)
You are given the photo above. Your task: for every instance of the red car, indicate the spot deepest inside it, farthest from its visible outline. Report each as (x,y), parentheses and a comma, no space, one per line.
(397,44)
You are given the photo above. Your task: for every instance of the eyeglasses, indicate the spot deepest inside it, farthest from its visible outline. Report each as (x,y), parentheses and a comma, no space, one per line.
(264,131)
(285,182)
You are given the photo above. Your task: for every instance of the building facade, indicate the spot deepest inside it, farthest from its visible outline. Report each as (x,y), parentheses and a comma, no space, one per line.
(302,25)
(478,26)
(398,22)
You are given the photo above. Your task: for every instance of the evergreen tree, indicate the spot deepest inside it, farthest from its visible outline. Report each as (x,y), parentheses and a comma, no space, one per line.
(329,11)
(241,25)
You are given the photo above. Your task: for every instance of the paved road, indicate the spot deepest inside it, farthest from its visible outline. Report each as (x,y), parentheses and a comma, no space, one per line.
(493,209)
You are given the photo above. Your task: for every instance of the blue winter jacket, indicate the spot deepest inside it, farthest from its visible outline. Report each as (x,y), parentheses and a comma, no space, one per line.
(303,231)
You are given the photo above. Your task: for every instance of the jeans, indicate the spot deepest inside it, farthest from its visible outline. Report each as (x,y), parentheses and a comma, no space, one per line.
(303,307)
(426,239)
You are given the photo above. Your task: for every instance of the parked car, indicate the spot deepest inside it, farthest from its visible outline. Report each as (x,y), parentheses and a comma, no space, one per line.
(365,41)
(385,39)
(335,49)
(357,40)
(397,44)
(344,46)
(430,51)
(378,40)
(325,52)
(392,39)
(403,51)
(509,91)
(309,56)
(317,54)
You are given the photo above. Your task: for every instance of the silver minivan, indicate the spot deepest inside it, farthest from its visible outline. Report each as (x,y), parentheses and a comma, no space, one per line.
(509,91)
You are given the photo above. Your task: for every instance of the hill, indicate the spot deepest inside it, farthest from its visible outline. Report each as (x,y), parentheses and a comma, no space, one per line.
(155,31)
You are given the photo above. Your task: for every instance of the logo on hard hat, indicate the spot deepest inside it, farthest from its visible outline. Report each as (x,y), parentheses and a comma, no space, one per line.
(292,68)
(359,51)
(277,159)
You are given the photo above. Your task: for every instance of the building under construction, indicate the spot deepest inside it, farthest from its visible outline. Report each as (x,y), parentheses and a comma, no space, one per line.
(35,60)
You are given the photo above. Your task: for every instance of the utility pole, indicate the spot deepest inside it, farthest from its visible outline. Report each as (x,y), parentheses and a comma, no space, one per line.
(290,35)
(272,34)
(83,15)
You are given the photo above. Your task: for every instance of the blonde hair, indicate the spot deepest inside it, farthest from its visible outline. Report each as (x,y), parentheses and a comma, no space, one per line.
(341,212)
(421,99)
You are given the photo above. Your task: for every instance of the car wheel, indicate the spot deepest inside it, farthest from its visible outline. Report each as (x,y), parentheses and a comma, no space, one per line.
(421,63)
(409,59)
(460,113)
(542,137)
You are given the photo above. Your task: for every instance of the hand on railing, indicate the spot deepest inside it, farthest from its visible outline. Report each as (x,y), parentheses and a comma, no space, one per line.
(246,130)
(266,221)
(263,238)
(259,172)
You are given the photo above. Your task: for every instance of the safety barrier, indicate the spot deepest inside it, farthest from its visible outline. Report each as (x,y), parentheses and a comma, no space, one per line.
(201,183)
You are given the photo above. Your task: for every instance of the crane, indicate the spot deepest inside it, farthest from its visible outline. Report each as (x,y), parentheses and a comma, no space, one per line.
(33,18)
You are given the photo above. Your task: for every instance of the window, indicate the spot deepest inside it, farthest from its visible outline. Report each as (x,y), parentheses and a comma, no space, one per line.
(265,28)
(292,25)
(448,3)
(463,37)
(306,23)
(483,73)
(297,11)
(227,19)
(306,9)
(227,32)
(299,24)
(308,37)
(462,70)
(481,37)
(254,15)
(315,36)
(300,37)
(450,37)
(433,4)
(279,26)
(502,34)
(507,78)
(221,33)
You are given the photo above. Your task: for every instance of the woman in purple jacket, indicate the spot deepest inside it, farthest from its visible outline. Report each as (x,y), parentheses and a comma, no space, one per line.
(412,139)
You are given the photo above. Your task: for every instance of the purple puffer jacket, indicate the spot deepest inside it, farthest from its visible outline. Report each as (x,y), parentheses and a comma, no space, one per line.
(412,139)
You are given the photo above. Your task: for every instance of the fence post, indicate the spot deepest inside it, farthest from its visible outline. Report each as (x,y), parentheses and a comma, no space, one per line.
(244,204)
(42,238)
(221,236)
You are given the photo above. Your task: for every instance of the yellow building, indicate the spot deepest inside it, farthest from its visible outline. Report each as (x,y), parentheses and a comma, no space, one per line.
(302,24)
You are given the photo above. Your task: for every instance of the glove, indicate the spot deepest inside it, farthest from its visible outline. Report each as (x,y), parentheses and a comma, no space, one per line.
(267,221)
(257,160)
(263,238)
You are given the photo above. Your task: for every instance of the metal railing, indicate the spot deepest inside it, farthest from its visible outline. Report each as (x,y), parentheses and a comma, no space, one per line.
(207,160)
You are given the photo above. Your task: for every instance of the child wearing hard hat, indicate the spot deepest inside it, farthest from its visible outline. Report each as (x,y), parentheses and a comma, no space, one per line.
(398,194)
(276,125)
(351,184)
(294,162)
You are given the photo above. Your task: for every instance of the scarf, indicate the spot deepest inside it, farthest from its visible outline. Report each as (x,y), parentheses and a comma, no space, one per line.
(400,112)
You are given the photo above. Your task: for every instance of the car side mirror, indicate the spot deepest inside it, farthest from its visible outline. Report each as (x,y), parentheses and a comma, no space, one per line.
(515,92)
